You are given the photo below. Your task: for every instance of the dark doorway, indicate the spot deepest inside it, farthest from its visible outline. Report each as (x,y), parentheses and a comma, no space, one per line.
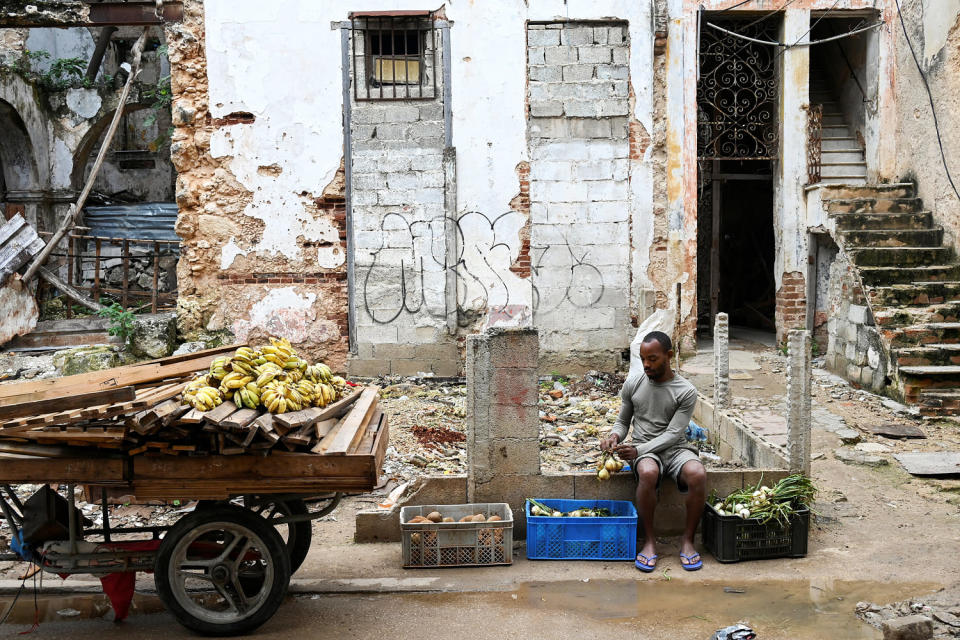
(736,244)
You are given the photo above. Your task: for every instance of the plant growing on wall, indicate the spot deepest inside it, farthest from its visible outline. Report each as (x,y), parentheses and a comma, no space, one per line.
(62,73)
(121,321)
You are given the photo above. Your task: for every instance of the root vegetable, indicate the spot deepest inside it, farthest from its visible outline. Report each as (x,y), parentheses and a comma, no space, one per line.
(604,474)
(449,520)
(435,517)
(610,464)
(494,518)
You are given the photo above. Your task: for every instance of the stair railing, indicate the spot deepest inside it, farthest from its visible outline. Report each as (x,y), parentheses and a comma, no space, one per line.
(814,143)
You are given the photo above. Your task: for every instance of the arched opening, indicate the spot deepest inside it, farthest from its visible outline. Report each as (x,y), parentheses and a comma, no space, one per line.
(18,168)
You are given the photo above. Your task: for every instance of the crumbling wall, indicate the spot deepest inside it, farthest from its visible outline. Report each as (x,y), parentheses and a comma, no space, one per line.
(934,30)
(854,347)
(578,135)
(261,255)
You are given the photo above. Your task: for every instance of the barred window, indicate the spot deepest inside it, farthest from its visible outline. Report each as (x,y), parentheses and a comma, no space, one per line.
(394,55)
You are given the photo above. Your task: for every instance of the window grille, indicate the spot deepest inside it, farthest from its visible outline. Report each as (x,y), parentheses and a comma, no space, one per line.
(394,55)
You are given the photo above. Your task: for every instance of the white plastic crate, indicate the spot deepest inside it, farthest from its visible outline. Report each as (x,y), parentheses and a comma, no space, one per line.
(457,544)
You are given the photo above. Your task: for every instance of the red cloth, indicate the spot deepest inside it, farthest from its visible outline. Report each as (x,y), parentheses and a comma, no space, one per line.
(119,586)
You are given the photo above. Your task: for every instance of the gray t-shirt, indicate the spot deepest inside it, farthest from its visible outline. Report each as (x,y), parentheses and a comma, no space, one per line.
(658,412)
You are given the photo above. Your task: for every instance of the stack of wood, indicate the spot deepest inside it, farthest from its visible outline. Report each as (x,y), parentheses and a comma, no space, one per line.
(138,409)
(18,243)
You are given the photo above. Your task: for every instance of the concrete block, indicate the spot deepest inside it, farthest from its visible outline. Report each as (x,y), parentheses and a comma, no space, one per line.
(364,197)
(447,368)
(578,72)
(514,387)
(515,489)
(393,351)
(595,54)
(512,457)
(564,151)
(535,55)
(556,128)
(552,170)
(543,37)
(560,55)
(367,114)
(425,130)
(612,72)
(369,368)
(384,525)
(558,191)
(410,367)
(394,162)
(600,190)
(377,333)
(432,179)
(608,150)
(506,421)
(915,627)
(593,169)
(426,162)
(576,35)
(563,212)
(546,108)
(857,314)
(588,127)
(545,74)
(621,168)
(614,107)
(514,348)
(621,55)
(403,181)
(432,111)
(580,109)
(401,113)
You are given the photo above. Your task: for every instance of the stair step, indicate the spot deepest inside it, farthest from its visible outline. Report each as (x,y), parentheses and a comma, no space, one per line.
(928,355)
(871,221)
(919,335)
(901,256)
(875,205)
(849,181)
(938,370)
(872,191)
(917,315)
(836,156)
(873,237)
(835,143)
(881,276)
(920,294)
(939,402)
(845,170)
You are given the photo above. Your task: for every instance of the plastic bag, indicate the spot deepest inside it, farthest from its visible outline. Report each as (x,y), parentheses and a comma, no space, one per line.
(735,632)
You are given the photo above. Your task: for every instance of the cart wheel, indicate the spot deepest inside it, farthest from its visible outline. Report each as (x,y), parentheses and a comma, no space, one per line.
(296,536)
(222,571)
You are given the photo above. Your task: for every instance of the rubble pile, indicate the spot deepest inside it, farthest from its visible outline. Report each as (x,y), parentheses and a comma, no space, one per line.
(936,617)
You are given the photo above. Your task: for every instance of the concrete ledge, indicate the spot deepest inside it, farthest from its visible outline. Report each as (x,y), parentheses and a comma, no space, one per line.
(384,525)
(734,440)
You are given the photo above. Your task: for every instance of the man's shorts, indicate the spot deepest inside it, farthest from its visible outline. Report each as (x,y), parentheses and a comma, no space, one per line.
(670,462)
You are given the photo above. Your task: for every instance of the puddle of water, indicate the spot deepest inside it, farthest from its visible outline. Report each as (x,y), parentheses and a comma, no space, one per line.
(792,610)
(88,605)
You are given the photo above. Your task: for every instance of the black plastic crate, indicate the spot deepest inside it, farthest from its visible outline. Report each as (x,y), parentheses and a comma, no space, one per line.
(732,538)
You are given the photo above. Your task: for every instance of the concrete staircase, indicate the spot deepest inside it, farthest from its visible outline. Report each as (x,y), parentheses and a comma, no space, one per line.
(842,158)
(913,284)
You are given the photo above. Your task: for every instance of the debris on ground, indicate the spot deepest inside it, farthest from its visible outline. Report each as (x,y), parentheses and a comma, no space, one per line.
(936,616)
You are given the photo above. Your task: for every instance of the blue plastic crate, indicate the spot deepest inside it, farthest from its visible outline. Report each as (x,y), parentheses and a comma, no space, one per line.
(613,538)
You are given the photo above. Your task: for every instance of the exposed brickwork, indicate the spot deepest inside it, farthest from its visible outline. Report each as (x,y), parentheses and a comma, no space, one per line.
(521,204)
(639,140)
(791,310)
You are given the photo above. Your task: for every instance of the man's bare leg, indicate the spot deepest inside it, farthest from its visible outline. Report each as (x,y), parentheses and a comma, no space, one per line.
(647,473)
(695,477)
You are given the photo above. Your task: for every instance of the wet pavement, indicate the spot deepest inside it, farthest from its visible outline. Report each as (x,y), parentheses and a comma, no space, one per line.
(658,608)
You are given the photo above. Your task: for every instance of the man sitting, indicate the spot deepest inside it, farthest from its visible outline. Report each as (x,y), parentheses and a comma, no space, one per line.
(657,405)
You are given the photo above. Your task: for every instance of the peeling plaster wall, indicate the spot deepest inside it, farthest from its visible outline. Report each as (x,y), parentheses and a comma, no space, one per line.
(263,252)
(934,28)
(259,144)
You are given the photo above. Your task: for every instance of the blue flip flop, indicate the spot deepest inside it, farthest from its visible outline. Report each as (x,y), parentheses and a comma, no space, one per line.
(644,566)
(693,566)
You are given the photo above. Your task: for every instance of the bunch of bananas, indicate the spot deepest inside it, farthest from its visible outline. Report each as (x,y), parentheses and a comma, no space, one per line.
(200,395)
(273,377)
(281,397)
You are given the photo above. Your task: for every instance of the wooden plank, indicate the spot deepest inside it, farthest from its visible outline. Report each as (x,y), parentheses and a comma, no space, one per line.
(16,469)
(324,444)
(194,416)
(366,445)
(12,228)
(351,432)
(101,380)
(240,418)
(298,419)
(324,427)
(37,407)
(264,425)
(220,413)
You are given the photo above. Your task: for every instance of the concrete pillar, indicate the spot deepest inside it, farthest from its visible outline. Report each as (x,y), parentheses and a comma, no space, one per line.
(798,400)
(503,425)
(721,362)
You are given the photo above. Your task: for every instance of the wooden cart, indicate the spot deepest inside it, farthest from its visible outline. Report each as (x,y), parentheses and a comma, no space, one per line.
(223,568)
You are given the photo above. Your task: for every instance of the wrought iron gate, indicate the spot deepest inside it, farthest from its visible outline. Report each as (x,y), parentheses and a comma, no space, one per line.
(737,91)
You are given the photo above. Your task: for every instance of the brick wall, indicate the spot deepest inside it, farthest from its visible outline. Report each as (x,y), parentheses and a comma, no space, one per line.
(579,140)
(791,307)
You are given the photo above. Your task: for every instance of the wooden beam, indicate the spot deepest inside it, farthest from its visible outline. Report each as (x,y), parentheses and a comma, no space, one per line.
(83,400)
(352,430)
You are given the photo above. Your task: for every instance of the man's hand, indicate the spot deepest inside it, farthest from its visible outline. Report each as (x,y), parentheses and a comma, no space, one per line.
(609,442)
(626,452)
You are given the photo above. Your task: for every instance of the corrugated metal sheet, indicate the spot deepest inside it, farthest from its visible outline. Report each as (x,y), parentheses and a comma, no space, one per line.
(146,220)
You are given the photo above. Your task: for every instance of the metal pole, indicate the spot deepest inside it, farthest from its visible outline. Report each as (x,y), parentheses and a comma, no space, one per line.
(347,189)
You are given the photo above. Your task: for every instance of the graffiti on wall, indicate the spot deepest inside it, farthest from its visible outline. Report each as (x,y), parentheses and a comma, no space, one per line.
(407,272)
